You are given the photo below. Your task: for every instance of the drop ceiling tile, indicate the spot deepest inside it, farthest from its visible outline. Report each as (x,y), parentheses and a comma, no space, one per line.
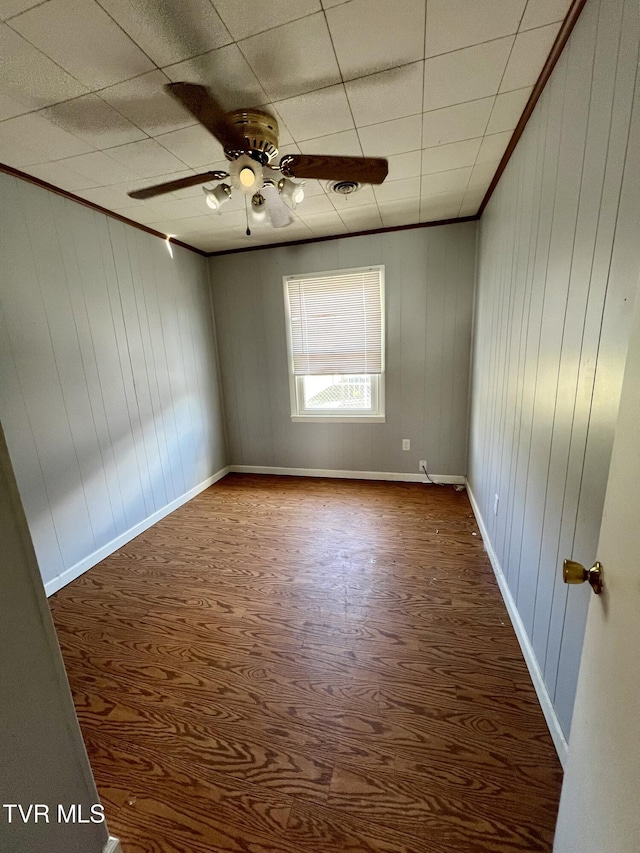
(404,165)
(80,37)
(294,58)
(60,175)
(370,36)
(465,75)
(454,180)
(315,205)
(482,175)
(529,54)
(9,8)
(386,96)
(167,31)
(364,218)
(395,190)
(29,80)
(103,169)
(247,19)
(317,113)
(364,197)
(507,110)
(471,202)
(227,73)
(440,206)
(453,24)
(344,144)
(453,124)
(31,139)
(193,145)
(397,213)
(325,226)
(113,198)
(145,103)
(173,208)
(147,158)
(91,119)
(493,147)
(136,214)
(541,12)
(391,137)
(454,155)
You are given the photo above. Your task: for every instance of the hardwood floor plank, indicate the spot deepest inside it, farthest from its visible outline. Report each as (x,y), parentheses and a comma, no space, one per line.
(308,666)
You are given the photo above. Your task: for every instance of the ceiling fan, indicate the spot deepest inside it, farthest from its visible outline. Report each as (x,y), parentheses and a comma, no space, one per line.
(250,142)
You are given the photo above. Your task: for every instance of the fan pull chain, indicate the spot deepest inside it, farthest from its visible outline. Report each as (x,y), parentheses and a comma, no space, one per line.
(246,210)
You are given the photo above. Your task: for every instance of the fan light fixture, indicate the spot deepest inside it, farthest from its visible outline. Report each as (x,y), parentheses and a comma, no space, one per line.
(246,174)
(291,192)
(258,208)
(218,196)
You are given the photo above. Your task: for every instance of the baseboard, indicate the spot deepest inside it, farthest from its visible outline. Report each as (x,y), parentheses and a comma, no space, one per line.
(95,557)
(535,672)
(446,479)
(112,845)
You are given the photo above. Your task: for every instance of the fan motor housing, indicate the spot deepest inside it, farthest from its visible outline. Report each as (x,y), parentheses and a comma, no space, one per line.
(260,131)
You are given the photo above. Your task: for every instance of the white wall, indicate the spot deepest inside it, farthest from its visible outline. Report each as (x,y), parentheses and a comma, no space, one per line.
(429,293)
(559,254)
(108,375)
(43,759)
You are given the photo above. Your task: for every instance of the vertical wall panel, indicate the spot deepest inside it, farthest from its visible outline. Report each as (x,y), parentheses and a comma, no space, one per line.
(558,266)
(429,297)
(108,378)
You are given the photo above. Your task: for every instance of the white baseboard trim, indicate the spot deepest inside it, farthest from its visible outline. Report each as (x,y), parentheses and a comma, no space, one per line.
(87,563)
(447,479)
(559,740)
(112,845)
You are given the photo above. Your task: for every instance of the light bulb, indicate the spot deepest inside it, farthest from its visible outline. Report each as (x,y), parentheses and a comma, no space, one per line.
(258,208)
(217,197)
(247,177)
(291,192)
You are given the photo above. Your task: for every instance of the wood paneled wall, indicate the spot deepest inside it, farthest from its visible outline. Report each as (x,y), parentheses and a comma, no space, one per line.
(558,266)
(108,373)
(43,758)
(429,296)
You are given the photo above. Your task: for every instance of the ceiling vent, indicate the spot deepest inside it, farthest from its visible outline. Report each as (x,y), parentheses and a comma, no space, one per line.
(343,187)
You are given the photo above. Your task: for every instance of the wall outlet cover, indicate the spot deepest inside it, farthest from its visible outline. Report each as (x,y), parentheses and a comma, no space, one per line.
(406,444)
(422,466)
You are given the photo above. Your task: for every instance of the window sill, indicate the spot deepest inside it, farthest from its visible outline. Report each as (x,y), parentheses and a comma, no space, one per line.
(339,419)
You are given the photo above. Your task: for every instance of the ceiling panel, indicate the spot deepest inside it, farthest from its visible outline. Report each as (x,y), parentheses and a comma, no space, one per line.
(247,19)
(465,75)
(436,87)
(164,29)
(28,79)
(317,113)
(83,40)
(453,24)
(296,58)
(370,36)
(388,95)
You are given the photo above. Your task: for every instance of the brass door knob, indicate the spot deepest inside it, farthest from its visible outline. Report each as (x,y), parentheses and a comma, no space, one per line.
(573,572)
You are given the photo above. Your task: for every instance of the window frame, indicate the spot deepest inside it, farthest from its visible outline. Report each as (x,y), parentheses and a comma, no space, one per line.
(296,394)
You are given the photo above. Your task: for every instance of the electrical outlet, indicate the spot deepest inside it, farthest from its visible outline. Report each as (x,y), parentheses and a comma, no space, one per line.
(422,466)
(496,501)
(406,444)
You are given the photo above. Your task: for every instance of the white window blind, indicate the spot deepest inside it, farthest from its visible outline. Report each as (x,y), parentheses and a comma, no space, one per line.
(337,322)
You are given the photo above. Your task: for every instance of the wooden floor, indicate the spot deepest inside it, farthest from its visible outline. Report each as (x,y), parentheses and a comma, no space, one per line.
(305,666)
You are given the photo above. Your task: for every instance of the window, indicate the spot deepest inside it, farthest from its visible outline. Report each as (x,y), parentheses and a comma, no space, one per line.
(335,334)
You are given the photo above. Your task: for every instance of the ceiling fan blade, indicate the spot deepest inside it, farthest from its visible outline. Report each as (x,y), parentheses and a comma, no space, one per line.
(203,106)
(279,214)
(178,184)
(366,170)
